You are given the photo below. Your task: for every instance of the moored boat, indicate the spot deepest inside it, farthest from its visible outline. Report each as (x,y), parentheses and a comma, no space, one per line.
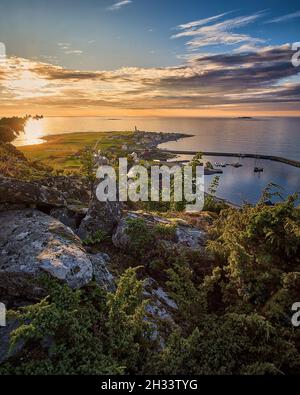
(258,169)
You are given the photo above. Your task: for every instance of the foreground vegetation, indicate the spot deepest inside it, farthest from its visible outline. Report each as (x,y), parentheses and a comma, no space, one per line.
(234,317)
(233,311)
(10,128)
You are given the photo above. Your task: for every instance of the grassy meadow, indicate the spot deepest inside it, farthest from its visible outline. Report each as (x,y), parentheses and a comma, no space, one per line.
(62,151)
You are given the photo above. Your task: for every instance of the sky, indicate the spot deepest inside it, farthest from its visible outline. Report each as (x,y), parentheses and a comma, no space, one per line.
(149,57)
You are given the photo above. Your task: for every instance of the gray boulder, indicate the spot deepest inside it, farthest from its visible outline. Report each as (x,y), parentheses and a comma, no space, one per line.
(160,311)
(102,275)
(46,194)
(190,237)
(186,236)
(31,243)
(75,190)
(160,305)
(102,216)
(121,239)
(16,192)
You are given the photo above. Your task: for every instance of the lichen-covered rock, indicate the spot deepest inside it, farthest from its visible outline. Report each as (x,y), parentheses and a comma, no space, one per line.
(160,311)
(101,216)
(45,194)
(32,243)
(102,275)
(15,192)
(121,238)
(185,236)
(190,237)
(75,190)
(160,305)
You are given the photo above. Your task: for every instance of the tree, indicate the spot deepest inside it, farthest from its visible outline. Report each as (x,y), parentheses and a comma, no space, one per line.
(10,128)
(7,135)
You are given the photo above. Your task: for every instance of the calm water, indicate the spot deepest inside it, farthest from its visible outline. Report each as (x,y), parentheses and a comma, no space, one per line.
(273,136)
(243,185)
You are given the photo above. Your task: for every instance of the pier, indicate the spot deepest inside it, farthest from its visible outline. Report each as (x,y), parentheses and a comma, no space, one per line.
(287,161)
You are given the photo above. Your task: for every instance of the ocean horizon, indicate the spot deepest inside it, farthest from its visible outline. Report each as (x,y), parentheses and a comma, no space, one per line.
(259,135)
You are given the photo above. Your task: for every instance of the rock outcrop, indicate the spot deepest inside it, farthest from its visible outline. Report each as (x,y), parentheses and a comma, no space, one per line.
(102,275)
(75,190)
(101,216)
(160,310)
(160,305)
(32,243)
(16,192)
(185,235)
(67,199)
(48,193)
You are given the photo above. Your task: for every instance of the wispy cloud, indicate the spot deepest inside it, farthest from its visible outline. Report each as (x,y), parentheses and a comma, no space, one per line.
(68,50)
(74,52)
(64,46)
(201,22)
(119,4)
(285,18)
(205,33)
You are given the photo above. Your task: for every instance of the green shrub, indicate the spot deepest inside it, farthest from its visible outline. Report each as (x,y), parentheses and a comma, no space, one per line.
(141,236)
(99,237)
(257,245)
(230,344)
(82,332)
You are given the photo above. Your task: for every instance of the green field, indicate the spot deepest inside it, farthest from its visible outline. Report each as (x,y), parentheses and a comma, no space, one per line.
(60,151)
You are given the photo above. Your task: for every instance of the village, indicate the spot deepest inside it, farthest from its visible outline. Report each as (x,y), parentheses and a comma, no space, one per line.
(144,147)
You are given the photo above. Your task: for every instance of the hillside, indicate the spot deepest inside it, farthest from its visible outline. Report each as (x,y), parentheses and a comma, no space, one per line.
(109,288)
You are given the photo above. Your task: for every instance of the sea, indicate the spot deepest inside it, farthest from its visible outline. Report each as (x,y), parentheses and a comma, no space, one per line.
(270,136)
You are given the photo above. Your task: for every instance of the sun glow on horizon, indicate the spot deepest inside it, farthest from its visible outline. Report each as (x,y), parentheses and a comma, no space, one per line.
(33,131)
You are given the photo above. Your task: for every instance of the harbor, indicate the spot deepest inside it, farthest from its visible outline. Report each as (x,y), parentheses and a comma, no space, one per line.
(286,161)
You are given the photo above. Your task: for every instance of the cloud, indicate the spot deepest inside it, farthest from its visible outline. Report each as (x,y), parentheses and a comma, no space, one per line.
(119,4)
(203,33)
(285,18)
(64,44)
(262,78)
(74,52)
(67,49)
(201,22)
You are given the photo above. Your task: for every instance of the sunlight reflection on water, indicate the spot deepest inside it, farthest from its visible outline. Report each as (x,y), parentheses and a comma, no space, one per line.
(33,131)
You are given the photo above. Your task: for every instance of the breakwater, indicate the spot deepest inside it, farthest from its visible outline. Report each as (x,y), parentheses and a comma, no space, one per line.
(287,161)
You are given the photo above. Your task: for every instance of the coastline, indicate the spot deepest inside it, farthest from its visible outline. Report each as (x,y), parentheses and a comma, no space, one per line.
(62,152)
(273,158)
